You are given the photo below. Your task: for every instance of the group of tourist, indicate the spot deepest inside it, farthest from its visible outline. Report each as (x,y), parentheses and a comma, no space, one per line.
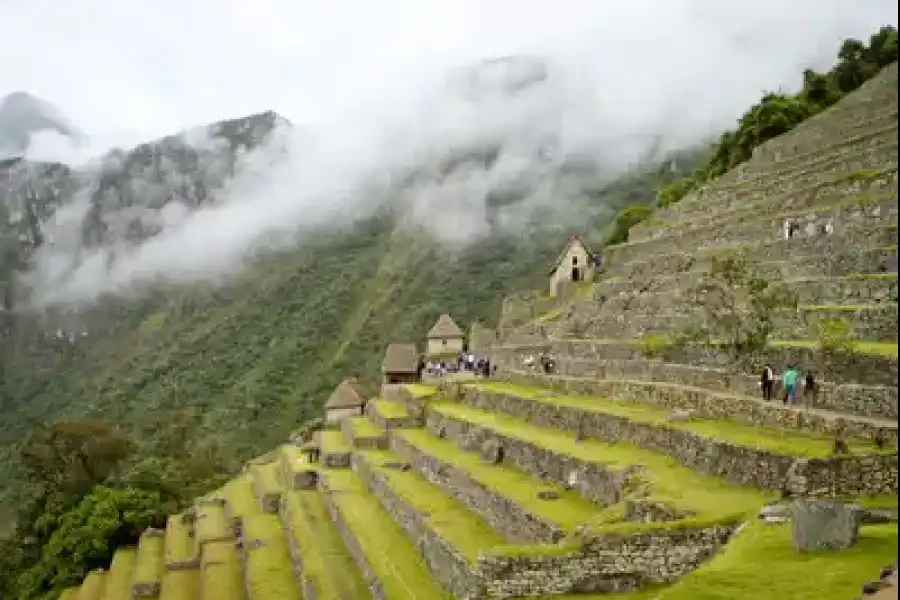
(790,380)
(465,362)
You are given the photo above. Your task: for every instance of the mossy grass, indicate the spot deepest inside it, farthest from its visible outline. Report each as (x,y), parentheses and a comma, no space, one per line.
(268,477)
(669,481)
(449,518)
(885,276)
(566,512)
(180,546)
(388,409)
(364,428)
(220,572)
(761,562)
(93,586)
(269,571)
(69,594)
(419,390)
(326,562)
(148,564)
(849,307)
(778,441)
(393,558)
(176,585)
(240,496)
(118,581)
(212,523)
(333,442)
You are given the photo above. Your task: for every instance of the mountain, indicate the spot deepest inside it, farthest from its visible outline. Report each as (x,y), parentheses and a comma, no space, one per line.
(22,115)
(260,353)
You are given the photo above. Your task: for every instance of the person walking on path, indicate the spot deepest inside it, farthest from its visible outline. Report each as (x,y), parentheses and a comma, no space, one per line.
(789,378)
(811,388)
(767,382)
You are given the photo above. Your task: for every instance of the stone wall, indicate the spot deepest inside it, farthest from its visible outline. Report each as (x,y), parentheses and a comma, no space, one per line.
(389,422)
(868,401)
(446,564)
(481,337)
(742,465)
(521,308)
(845,202)
(596,482)
(713,405)
(861,369)
(603,564)
(512,521)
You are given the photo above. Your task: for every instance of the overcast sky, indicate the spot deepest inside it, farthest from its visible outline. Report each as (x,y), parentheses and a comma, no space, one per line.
(149,68)
(363,79)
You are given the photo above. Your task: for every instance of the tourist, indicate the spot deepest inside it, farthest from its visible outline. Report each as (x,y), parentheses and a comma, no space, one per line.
(789,378)
(767,382)
(811,388)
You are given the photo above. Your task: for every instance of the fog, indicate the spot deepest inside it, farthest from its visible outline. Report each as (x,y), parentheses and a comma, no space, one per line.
(381,95)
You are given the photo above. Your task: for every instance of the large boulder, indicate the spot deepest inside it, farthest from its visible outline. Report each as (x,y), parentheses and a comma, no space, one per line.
(820,525)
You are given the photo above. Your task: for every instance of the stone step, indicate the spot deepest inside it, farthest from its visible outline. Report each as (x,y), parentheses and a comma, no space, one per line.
(94,586)
(865,288)
(327,570)
(609,473)
(448,534)
(213,524)
(241,500)
(298,472)
(849,213)
(363,434)
(704,439)
(391,565)
(149,564)
(522,508)
(267,486)
(334,450)
(856,236)
(267,565)
(121,571)
(750,410)
(181,548)
(828,192)
(861,400)
(180,585)
(388,414)
(220,572)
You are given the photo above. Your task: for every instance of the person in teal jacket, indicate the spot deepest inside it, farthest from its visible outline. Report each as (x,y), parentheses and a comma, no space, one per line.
(789,379)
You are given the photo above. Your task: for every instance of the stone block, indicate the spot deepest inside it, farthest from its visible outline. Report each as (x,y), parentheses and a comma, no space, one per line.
(820,525)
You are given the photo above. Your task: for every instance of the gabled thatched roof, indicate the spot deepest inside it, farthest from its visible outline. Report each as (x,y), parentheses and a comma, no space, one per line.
(348,394)
(401,358)
(445,328)
(572,241)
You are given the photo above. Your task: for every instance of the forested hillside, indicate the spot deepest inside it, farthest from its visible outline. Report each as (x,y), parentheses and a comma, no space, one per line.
(115,414)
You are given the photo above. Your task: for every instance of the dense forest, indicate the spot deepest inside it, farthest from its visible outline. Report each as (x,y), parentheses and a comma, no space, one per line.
(104,438)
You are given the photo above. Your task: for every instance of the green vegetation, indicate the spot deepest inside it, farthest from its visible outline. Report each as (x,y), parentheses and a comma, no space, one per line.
(269,574)
(326,562)
(669,482)
(779,441)
(389,409)
(421,391)
(364,428)
(333,441)
(762,559)
(220,569)
(393,558)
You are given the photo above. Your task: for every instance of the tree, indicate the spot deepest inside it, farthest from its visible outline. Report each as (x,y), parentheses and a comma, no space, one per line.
(736,304)
(74,456)
(627,218)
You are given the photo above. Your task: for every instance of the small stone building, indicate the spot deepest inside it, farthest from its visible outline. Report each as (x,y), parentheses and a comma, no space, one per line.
(401,364)
(575,263)
(445,340)
(348,399)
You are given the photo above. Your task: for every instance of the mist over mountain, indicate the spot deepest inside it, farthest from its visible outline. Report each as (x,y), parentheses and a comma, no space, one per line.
(21,116)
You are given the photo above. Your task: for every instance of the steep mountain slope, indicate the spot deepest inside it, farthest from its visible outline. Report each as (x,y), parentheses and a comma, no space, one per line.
(260,353)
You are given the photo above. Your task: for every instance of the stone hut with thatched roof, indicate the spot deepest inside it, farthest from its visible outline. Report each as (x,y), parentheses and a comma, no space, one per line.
(401,364)
(577,262)
(348,399)
(445,340)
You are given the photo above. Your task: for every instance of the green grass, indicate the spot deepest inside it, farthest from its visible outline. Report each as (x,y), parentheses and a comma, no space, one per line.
(395,561)
(883,349)
(849,307)
(148,565)
(449,518)
(269,572)
(177,585)
(761,562)
(333,442)
(388,409)
(326,561)
(118,581)
(180,547)
(886,276)
(419,390)
(212,523)
(92,588)
(565,512)
(779,441)
(364,428)
(240,496)
(669,481)
(220,572)
(268,477)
